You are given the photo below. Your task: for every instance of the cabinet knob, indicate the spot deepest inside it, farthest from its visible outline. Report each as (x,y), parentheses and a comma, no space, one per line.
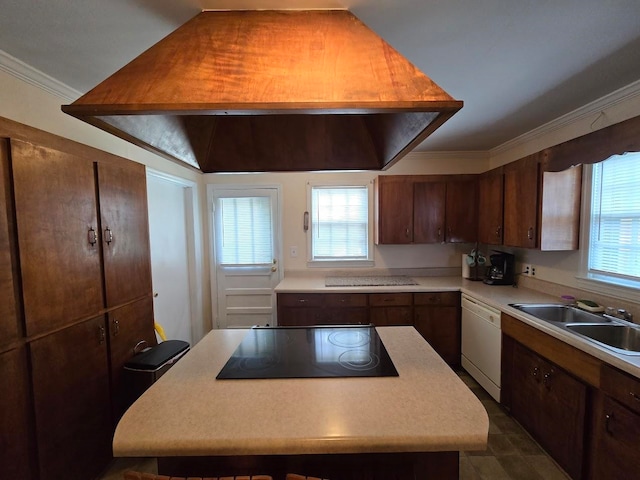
(116,327)
(498,230)
(101,334)
(108,235)
(530,233)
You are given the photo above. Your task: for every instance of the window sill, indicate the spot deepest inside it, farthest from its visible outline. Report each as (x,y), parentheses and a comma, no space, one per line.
(603,287)
(340,263)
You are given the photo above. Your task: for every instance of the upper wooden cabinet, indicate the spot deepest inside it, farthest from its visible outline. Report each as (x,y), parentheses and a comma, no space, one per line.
(394,209)
(462,209)
(10,329)
(491,207)
(541,208)
(426,209)
(61,239)
(429,214)
(55,196)
(521,180)
(125,231)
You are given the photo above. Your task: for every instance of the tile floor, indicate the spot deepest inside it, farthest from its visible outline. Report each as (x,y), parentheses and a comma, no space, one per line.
(511,454)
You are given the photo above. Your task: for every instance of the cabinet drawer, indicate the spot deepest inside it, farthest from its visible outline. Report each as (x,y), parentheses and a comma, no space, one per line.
(624,388)
(300,299)
(390,299)
(345,299)
(448,299)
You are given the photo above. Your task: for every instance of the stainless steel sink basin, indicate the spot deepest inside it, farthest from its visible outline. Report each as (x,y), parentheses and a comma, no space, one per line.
(559,313)
(619,337)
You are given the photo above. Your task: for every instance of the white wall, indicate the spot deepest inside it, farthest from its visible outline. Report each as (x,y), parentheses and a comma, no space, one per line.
(294,192)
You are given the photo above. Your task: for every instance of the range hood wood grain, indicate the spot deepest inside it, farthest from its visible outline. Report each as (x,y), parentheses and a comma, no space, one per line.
(234,91)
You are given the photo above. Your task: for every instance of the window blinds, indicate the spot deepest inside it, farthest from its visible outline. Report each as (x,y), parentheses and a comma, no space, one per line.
(614,249)
(339,223)
(246,231)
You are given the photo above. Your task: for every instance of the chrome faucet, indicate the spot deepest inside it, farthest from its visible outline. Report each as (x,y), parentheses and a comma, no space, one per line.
(622,313)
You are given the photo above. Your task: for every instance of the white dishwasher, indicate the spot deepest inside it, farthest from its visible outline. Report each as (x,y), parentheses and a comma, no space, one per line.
(481,343)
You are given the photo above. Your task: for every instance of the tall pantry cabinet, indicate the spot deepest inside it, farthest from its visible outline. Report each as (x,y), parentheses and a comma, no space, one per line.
(75,221)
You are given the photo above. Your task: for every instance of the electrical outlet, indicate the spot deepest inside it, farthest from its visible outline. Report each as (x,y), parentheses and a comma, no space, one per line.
(527,269)
(293,251)
(533,271)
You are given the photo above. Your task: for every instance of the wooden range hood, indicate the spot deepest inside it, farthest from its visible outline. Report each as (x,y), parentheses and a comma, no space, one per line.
(270,90)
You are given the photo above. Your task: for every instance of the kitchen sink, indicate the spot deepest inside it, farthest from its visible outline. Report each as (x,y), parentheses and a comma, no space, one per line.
(559,313)
(622,338)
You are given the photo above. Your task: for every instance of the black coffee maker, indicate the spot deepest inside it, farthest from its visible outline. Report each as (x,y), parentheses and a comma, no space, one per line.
(501,269)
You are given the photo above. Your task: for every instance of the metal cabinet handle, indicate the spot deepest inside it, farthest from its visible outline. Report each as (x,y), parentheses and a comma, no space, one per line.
(116,327)
(498,230)
(607,422)
(406,232)
(530,233)
(102,334)
(439,232)
(108,235)
(547,379)
(635,396)
(535,372)
(92,236)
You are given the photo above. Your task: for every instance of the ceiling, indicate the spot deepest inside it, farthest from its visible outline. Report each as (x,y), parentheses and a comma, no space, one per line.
(516,64)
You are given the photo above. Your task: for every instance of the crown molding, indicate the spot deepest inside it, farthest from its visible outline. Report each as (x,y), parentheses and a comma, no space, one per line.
(449,155)
(597,107)
(35,77)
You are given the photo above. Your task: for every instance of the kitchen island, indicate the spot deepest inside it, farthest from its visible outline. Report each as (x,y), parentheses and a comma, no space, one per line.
(412,424)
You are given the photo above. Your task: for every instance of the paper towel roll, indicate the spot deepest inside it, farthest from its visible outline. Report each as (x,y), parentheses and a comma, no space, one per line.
(466,270)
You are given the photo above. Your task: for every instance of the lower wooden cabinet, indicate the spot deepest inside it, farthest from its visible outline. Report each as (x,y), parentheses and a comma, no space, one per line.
(549,403)
(435,315)
(72,402)
(129,327)
(16,441)
(616,427)
(437,319)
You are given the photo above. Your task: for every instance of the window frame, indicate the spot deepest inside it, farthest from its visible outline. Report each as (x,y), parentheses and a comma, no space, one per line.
(369,261)
(598,283)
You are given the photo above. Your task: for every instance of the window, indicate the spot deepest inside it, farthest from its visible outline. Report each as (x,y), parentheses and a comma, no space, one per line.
(246,231)
(339,226)
(614,237)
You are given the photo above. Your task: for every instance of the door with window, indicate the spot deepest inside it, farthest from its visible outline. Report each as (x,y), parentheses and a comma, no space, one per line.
(247,251)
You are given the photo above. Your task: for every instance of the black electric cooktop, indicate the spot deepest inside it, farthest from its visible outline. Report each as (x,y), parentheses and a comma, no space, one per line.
(310,352)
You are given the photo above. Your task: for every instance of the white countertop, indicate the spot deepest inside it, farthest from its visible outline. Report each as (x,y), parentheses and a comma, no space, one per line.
(498,296)
(190,413)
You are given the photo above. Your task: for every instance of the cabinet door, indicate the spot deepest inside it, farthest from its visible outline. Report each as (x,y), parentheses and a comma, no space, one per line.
(394,208)
(429,200)
(490,207)
(462,211)
(551,405)
(128,326)
(16,429)
(615,448)
(440,326)
(57,222)
(9,327)
(521,180)
(72,406)
(125,231)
